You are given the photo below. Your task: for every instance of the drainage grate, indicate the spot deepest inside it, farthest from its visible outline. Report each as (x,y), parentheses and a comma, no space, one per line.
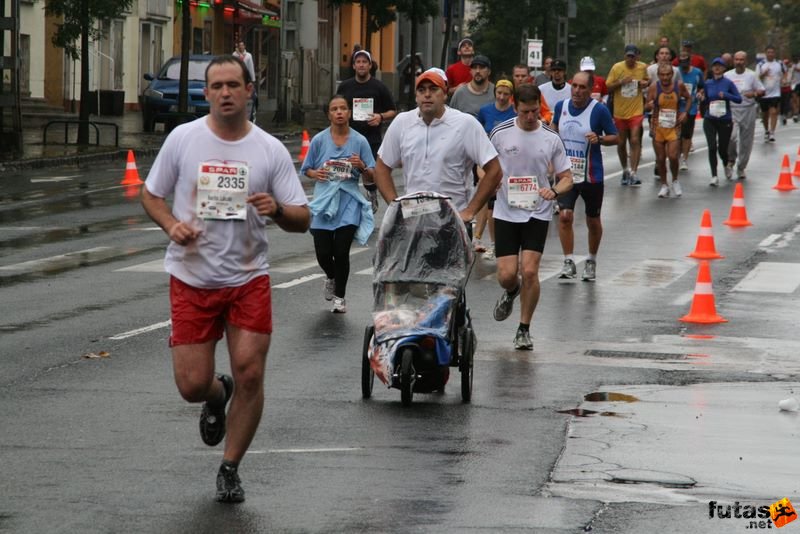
(635,354)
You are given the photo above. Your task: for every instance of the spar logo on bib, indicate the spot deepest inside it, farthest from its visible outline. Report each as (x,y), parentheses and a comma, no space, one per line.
(512,150)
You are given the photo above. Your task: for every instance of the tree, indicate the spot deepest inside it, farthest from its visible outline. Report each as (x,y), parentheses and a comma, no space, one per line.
(78,22)
(502,23)
(718,26)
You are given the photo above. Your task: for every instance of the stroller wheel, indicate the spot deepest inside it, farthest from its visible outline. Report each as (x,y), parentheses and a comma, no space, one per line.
(367,374)
(407,376)
(465,363)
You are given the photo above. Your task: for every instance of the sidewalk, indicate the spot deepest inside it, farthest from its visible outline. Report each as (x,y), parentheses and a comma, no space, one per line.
(36,154)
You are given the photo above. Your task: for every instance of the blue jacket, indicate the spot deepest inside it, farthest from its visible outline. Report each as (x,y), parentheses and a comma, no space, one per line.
(326,204)
(729,94)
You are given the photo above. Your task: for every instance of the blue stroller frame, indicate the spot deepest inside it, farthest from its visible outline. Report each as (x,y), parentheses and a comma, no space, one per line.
(421,324)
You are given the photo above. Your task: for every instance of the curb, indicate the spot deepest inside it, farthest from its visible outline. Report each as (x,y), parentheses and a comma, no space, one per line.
(76,159)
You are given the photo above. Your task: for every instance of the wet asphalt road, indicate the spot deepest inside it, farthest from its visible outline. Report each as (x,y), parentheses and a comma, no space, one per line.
(106,445)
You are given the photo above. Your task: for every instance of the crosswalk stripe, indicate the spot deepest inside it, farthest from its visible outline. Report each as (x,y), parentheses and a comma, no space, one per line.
(771,277)
(298,281)
(143,330)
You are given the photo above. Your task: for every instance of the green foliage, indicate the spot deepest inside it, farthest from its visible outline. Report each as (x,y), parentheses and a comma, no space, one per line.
(501,26)
(78,18)
(718,26)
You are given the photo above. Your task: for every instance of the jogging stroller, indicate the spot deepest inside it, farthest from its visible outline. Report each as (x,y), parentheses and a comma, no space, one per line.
(421,325)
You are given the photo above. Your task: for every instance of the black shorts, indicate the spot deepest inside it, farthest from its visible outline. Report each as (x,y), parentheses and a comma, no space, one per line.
(767,103)
(592,195)
(511,237)
(687,127)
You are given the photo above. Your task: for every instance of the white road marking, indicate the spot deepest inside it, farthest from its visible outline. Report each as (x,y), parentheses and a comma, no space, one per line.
(684,299)
(293,267)
(770,239)
(38,264)
(53,179)
(155,266)
(770,277)
(143,330)
(367,271)
(302,451)
(298,281)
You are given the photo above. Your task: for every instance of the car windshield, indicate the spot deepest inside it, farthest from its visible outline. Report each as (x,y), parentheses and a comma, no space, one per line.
(197,70)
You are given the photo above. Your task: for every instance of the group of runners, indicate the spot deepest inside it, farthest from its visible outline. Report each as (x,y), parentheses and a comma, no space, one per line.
(510,154)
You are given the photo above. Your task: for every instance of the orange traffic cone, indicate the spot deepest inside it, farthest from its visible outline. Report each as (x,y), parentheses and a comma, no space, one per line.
(705,249)
(796,172)
(131,174)
(785,178)
(738,215)
(703,309)
(132,191)
(304,146)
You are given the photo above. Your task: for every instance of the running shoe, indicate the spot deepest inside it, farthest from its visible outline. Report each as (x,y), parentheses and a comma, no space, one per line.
(589,271)
(677,190)
(684,166)
(741,175)
(505,304)
(626,177)
(212,417)
(329,288)
(229,485)
(766,136)
(372,196)
(522,341)
(635,181)
(729,171)
(477,246)
(664,192)
(489,254)
(568,270)
(714,182)
(771,137)
(339,305)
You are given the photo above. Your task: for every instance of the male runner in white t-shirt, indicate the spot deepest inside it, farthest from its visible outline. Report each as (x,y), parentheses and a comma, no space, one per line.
(524,205)
(227,177)
(437,146)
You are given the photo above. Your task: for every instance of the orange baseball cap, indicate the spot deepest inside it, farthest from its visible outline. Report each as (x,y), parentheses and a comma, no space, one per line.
(435,76)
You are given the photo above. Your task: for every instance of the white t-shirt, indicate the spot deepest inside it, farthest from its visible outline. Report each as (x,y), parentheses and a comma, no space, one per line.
(524,154)
(438,157)
(744,82)
(247,59)
(228,253)
(652,73)
(770,73)
(553,95)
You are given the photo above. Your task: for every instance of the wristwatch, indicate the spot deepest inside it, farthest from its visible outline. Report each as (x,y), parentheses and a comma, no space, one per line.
(278,212)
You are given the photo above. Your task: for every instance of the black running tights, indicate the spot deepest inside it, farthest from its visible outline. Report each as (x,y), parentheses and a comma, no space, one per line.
(714,130)
(333,254)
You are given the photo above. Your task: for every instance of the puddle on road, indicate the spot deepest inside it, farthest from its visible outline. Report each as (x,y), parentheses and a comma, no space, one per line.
(609,396)
(653,273)
(580,412)
(62,233)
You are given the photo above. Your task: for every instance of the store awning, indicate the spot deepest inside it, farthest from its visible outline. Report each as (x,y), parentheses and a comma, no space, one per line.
(253,7)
